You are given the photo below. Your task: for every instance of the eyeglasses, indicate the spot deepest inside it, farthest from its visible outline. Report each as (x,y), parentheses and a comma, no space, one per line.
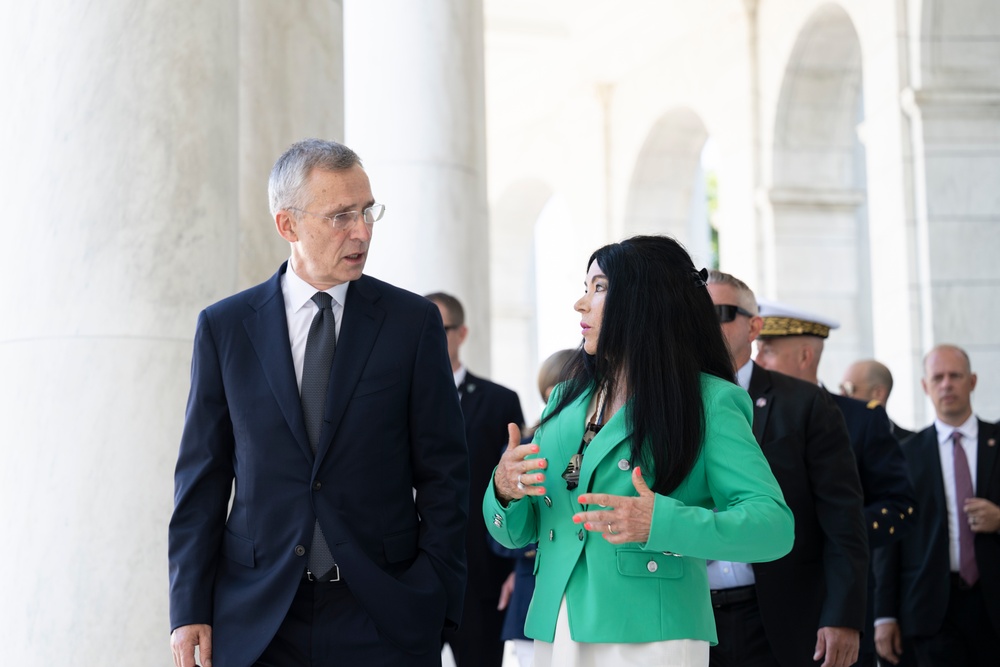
(847,388)
(728,313)
(342,221)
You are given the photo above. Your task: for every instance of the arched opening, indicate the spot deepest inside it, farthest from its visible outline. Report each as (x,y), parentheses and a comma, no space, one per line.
(670,187)
(514,289)
(820,223)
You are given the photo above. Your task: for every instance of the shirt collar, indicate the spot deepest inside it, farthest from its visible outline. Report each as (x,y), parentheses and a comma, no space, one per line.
(460,375)
(300,293)
(969,430)
(743,375)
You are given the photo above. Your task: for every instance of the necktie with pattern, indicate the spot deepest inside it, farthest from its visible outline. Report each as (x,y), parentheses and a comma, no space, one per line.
(967,568)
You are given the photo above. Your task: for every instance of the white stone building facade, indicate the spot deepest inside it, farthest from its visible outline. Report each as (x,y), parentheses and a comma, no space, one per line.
(856,146)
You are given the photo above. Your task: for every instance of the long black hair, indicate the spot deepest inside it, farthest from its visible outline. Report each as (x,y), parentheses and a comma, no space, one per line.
(659,332)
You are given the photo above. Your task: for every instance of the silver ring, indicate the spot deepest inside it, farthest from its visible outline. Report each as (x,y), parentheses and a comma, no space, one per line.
(611,532)
(520,485)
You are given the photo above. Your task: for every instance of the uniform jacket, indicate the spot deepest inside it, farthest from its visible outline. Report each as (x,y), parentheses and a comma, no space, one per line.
(657,590)
(822,582)
(889,497)
(913,574)
(392,425)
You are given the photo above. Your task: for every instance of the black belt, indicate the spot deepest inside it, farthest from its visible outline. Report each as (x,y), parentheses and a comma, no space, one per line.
(959,583)
(330,577)
(727,596)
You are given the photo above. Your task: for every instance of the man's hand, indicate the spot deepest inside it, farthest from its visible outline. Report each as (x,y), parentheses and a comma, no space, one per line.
(506,590)
(185,638)
(837,647)
(983,516)
(889,641)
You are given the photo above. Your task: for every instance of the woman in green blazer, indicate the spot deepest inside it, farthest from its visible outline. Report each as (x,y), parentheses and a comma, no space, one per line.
(660,471)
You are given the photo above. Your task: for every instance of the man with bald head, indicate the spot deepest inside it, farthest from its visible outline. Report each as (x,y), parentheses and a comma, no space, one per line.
(871,381)
(940,584)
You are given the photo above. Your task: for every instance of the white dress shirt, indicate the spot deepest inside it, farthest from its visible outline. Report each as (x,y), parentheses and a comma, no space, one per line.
(946,449)
(459,375)
(724,573)
(300,311)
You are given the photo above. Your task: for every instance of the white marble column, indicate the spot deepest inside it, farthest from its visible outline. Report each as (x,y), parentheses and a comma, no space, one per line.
(124,175)
(414,112)
(956,135)
(952,105)
(291,87)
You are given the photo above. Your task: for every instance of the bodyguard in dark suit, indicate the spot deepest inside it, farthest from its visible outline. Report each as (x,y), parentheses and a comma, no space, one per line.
(488,408)
(940,585)
(811,603)
(322,407)
(791,342)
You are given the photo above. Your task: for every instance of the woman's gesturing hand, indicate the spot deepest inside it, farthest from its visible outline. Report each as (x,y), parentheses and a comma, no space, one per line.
(515,477)
(619,518)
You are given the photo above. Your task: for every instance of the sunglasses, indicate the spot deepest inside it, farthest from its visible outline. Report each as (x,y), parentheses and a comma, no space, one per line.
(728,313)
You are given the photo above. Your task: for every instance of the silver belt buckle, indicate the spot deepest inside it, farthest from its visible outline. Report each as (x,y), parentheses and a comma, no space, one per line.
(335,575)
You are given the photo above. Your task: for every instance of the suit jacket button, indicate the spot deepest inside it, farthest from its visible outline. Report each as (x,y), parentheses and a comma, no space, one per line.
(579,535)
(651,566)
(548,501)
(624,464)
(300,550)
(552,535)
(317,486)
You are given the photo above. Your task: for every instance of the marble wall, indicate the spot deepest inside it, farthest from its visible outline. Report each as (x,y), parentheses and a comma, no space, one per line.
(137,141)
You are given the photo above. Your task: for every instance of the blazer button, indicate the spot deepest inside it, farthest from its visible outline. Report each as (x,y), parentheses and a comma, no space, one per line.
(624,464)
(552,535)
(651,566)
(579,535)
(300,550)
(548,501)
(317,486)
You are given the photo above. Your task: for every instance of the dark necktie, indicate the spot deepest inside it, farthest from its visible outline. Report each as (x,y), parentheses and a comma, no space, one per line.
(967,568)
(320,346)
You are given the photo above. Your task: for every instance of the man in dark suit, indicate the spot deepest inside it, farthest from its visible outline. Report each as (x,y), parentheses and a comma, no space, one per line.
(323,409)
(809,605)
(870,381)
(791,342)
(940,585)
(488,409)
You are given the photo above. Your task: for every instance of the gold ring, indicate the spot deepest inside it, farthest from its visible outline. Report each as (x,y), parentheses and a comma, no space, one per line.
(520,484)
(611,532)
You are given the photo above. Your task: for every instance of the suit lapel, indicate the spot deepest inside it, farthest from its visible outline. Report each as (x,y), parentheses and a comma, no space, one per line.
(267,330)
(760,393)
(358,331)
(609,437)
(565,441)
(930,456)
(987,455)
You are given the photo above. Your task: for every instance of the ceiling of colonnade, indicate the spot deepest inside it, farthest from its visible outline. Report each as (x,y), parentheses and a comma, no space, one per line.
(538,52)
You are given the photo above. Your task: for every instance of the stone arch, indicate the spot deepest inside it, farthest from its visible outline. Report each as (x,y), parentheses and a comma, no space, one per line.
(821,259)
(958,45)
(513,302)
(667,192)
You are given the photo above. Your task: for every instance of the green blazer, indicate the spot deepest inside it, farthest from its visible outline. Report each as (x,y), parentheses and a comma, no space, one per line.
(657,590)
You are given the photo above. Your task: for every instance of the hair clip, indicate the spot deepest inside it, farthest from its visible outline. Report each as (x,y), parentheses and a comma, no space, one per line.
(700,277)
